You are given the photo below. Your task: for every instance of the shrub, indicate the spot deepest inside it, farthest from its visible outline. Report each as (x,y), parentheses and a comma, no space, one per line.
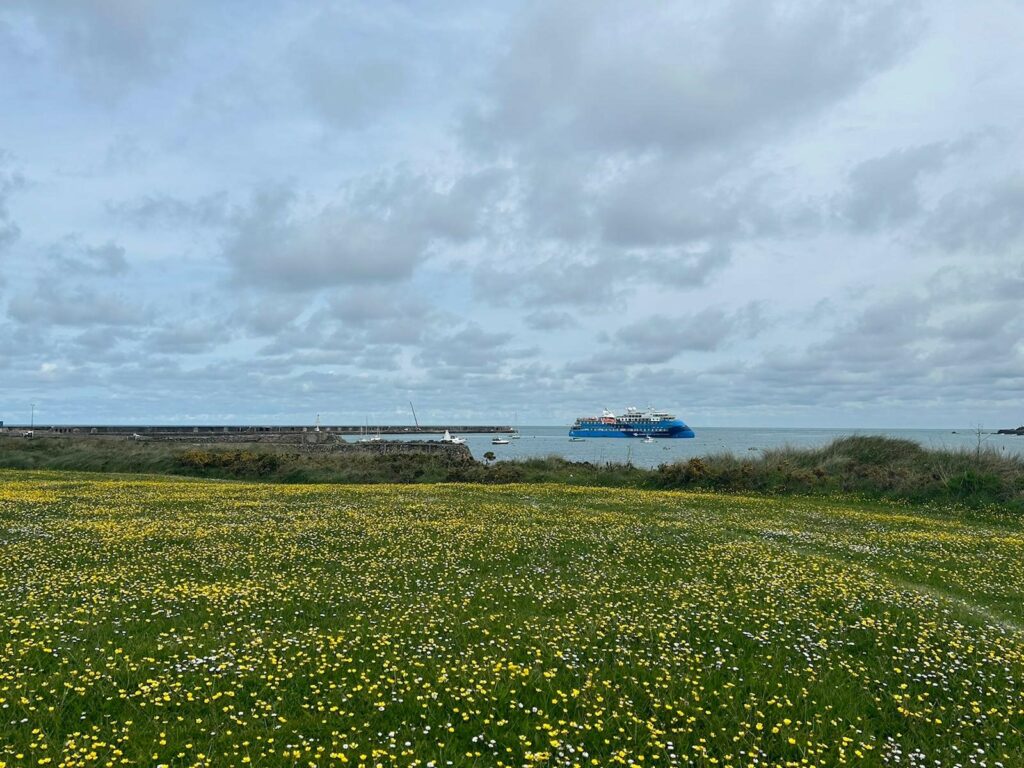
(237,463)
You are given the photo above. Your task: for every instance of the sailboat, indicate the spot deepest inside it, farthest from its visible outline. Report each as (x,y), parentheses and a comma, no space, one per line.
(453,440)
(514,435)
(366,436)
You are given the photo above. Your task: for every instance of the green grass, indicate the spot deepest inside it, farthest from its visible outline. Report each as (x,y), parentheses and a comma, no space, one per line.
(152,621)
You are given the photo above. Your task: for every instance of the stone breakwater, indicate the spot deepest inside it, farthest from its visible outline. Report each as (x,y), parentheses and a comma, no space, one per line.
(301,442)
(167,430)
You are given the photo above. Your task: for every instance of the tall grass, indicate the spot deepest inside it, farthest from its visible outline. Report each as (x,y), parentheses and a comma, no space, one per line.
(866,465)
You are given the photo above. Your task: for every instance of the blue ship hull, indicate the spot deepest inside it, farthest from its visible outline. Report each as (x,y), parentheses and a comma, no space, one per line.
(665,429)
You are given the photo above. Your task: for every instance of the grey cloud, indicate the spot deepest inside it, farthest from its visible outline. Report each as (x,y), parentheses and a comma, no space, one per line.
(659,339)
(936,341)
(124,153)
(639,127)
(350,324)
(104,342)
(347,81)
(272,246)
(53,305)
(10,182)
(72,257)
(187,338)
(469,348)
(656,203)
(259,315)
(550,320)
(986,218)
(9,232)
(885,191)
(378,232)
(384,315)
(167,211)
(668,77)
(598,277)
(107,45)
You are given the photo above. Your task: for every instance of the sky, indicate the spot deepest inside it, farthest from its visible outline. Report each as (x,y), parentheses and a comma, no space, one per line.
(748,212)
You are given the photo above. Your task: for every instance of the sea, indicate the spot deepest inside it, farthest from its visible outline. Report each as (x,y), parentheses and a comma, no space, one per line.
(554,441)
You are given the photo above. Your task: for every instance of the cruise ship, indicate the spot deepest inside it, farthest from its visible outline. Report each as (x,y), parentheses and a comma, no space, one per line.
(634,423)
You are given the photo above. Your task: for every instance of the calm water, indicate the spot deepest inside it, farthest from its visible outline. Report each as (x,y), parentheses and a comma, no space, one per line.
(554,441)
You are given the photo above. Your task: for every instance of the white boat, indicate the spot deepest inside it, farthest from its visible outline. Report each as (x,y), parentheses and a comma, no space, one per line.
(453,440)
(499,441)
(648,439)
(515,430)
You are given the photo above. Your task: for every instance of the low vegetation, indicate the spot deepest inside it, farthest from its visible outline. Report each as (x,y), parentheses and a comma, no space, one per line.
(875,467)
(870,466)
(185,622)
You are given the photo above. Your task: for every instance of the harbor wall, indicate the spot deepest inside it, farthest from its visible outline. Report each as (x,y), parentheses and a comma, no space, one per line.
(180,429)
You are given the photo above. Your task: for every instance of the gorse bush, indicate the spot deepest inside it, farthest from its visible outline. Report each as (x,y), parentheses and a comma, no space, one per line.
(240,463)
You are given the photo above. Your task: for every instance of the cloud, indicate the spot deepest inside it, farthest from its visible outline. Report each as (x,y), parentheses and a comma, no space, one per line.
(635,135)
(660,338)
(467,350)
(986,218)
(260,315)
(954,337)
(169,212)
(81,307)
(596,278)
(186,338)
(349,324)
(886,191)
(10,182)
(549,320)
(107,46)
(349,67)
(378,232)
(72,257)
(585,76)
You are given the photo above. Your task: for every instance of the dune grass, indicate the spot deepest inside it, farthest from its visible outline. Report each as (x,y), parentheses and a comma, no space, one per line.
(159,621)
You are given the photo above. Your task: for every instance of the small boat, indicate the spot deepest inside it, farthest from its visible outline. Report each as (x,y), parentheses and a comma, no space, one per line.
(515,430)
(648,439)
(577,440)
(499,441)
(453,440)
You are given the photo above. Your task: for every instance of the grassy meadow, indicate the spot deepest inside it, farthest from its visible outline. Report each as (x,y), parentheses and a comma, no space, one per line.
(182,622)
